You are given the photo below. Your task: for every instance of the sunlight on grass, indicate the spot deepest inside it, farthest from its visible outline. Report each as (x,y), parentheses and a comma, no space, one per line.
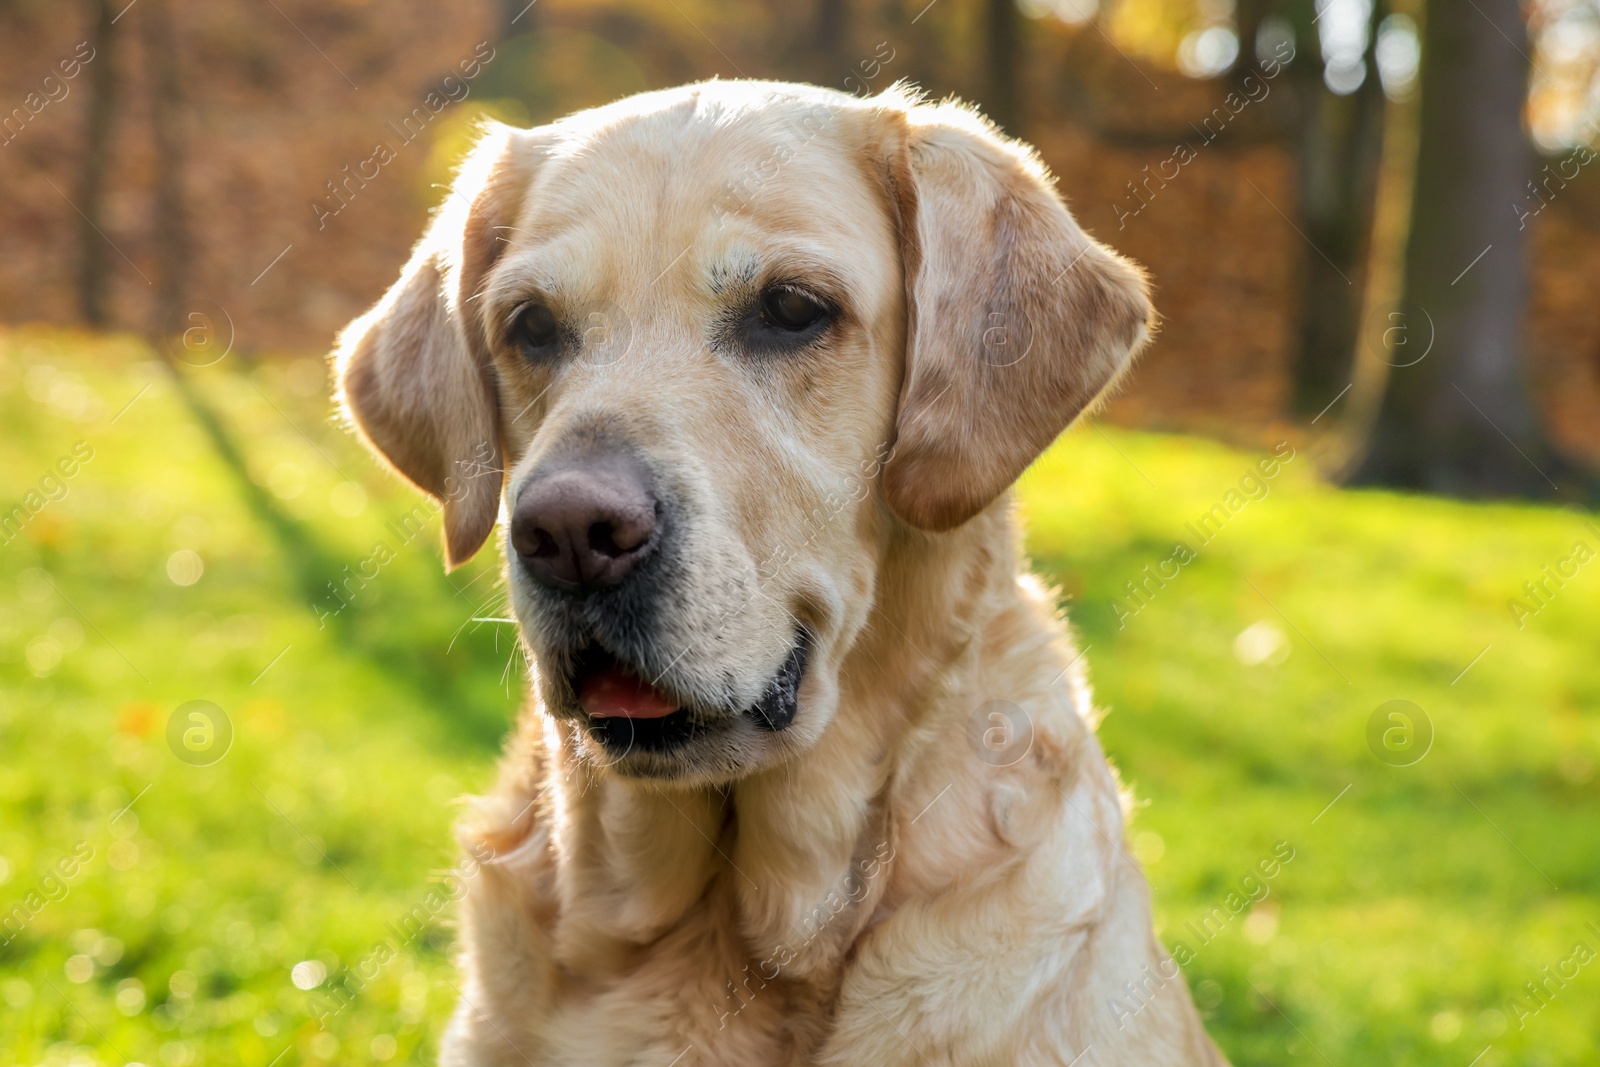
(291,894)
(1241,685)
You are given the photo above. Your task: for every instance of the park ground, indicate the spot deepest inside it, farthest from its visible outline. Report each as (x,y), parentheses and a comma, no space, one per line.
(179,911)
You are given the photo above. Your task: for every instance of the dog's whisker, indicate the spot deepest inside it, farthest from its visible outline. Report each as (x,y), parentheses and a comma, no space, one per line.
(480,614)
(505,675)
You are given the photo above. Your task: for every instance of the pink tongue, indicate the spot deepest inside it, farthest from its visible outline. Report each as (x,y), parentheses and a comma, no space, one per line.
(615,694)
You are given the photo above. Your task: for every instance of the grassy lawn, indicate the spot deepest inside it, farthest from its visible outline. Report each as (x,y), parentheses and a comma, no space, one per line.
(183,911)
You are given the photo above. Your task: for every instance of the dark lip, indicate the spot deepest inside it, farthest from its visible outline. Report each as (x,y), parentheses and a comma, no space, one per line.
(773,712)
(781,700)
(620,736)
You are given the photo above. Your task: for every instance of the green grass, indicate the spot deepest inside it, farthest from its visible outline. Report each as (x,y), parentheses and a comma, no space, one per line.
(1413,911)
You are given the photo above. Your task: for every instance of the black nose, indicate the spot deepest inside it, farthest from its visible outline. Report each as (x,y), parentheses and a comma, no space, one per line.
(586,523)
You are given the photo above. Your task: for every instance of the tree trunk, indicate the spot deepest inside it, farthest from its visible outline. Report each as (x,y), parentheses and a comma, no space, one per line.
(1457,416)
(1339,149)
(166,112)
(1248,15)
(1001,64)
(513,17)
(94,264)
(828,64)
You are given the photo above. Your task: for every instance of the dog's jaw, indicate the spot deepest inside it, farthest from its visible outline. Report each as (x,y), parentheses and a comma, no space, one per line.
(697,742)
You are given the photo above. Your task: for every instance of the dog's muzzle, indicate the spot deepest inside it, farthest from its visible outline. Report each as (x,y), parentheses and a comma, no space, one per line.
(594,532)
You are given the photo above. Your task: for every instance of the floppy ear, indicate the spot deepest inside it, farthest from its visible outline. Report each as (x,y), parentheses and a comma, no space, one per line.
(1017,320)
(414,372)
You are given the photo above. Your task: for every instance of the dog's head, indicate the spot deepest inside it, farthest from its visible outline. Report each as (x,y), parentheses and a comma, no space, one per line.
(709,346)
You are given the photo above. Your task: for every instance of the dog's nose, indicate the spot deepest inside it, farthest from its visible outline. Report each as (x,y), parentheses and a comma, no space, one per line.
(585,525)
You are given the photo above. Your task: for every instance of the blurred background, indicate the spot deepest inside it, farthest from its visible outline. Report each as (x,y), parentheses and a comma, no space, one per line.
(1332,545)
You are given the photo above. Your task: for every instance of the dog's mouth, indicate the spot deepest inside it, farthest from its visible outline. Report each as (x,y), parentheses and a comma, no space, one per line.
(626,712)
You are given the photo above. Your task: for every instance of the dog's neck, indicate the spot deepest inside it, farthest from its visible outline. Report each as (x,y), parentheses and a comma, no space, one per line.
(796,857)
(823,827)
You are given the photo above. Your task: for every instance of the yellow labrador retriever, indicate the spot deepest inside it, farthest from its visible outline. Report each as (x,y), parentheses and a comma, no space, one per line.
(810,775)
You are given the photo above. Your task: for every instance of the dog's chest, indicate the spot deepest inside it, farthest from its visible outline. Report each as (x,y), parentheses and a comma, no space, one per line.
(697,995)
(673,1011)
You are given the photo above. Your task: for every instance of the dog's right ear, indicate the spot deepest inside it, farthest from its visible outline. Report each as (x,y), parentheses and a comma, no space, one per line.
(414,373)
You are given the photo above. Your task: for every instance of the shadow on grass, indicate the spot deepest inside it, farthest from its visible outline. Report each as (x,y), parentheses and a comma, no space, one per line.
(441,683)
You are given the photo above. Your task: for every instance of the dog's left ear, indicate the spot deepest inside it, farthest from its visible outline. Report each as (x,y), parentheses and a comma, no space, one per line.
(1017,319)
(414,373)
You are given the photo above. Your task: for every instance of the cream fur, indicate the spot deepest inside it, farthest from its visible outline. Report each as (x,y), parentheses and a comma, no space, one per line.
(864,887)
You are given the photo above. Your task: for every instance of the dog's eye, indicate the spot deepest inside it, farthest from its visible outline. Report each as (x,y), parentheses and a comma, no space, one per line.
(790,309)
(535,327)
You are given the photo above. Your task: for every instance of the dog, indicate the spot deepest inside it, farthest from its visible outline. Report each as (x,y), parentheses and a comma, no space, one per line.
(745,370)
